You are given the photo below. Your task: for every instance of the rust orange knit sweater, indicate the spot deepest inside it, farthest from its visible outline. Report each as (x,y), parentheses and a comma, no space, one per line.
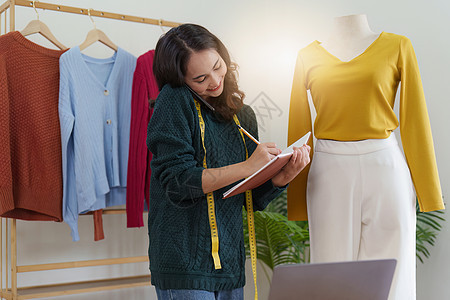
(30,139)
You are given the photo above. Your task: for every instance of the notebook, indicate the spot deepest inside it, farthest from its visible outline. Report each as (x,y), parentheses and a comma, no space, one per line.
(355,280)
(268,171)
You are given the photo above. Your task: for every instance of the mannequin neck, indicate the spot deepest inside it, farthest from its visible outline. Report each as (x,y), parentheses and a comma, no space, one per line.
(351,27)
(350,36)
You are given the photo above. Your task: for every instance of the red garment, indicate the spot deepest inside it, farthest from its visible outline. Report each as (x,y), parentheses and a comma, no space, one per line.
(98,225)
(30,139)
(145,89)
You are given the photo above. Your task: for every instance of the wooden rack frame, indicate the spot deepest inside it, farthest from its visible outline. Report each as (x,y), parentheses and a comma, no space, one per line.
(9,267)
(8,227)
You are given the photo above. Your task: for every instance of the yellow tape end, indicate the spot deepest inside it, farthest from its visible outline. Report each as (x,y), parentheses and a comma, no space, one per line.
(216,258)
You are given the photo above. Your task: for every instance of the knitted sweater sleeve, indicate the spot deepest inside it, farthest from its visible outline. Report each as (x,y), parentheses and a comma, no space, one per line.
(6,190)
(266,192)
(144,89)
(170,138)
(137,155)
(66,120)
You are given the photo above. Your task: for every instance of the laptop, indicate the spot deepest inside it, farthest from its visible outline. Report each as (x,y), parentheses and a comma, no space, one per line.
(354,280)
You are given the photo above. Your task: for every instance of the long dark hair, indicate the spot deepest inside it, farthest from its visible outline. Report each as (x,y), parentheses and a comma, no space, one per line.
(172,54)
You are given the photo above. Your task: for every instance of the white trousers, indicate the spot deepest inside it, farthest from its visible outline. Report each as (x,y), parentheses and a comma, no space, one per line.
(361,206)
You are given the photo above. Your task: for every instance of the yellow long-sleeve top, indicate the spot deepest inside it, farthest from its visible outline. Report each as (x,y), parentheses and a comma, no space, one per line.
(354,101)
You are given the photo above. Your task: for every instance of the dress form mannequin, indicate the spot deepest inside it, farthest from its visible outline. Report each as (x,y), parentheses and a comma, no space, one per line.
(360,202)
(350,37)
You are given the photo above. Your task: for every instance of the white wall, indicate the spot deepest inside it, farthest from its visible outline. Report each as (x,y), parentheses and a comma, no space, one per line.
(263,37)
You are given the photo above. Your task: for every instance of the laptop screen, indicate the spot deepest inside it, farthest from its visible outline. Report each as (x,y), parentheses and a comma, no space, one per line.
(355,280)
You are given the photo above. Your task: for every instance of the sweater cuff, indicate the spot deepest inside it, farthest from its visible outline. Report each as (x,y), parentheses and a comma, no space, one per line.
(135,221)
(187,189)
(74,230)
(265,193)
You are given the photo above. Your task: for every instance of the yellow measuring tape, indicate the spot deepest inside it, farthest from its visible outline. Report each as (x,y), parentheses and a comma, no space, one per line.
(250,219)
(212,214)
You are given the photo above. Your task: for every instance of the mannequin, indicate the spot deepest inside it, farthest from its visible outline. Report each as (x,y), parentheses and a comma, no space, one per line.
(358,192)
(350,36)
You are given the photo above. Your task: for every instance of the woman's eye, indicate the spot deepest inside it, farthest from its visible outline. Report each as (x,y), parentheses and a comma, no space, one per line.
(218,67)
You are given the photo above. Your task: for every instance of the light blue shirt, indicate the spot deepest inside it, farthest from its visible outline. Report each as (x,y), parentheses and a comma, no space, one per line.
(94,112)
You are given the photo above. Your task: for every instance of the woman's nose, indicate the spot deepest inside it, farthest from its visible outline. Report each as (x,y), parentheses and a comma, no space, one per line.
(215,80)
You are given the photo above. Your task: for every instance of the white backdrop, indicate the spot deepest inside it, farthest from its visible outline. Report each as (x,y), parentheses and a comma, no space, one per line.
(263,38)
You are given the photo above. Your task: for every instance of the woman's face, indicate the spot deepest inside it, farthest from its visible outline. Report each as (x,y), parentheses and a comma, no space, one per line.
(205,73)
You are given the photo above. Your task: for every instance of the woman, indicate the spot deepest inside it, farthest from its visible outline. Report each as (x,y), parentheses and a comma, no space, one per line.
(192,164)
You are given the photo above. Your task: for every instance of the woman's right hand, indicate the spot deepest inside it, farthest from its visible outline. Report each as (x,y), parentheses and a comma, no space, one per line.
(216,178)
(261,156)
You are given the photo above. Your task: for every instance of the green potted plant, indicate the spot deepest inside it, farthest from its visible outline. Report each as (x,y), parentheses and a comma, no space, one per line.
(427,228)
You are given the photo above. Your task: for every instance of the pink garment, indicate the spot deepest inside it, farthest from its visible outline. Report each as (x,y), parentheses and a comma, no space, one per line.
(145,89)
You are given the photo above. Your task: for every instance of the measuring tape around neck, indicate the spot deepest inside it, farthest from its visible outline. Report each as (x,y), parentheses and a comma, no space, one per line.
(211,209)
(250,218)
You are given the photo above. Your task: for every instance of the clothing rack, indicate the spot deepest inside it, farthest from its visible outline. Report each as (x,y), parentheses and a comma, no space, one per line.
(8,227)
(11,4)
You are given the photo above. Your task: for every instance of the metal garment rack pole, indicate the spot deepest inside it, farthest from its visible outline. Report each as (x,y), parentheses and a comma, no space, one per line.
(8,241)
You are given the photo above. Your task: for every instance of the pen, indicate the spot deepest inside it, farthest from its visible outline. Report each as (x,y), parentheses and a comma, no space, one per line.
(248,134)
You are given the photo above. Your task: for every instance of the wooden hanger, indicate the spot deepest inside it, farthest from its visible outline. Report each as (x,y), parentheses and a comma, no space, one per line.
(37,26)
(96,35)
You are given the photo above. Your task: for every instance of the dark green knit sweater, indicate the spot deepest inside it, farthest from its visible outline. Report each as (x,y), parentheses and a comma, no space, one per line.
(179,232)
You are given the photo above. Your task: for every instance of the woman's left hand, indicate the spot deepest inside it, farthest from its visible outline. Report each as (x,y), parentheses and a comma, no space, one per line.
(299,160)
